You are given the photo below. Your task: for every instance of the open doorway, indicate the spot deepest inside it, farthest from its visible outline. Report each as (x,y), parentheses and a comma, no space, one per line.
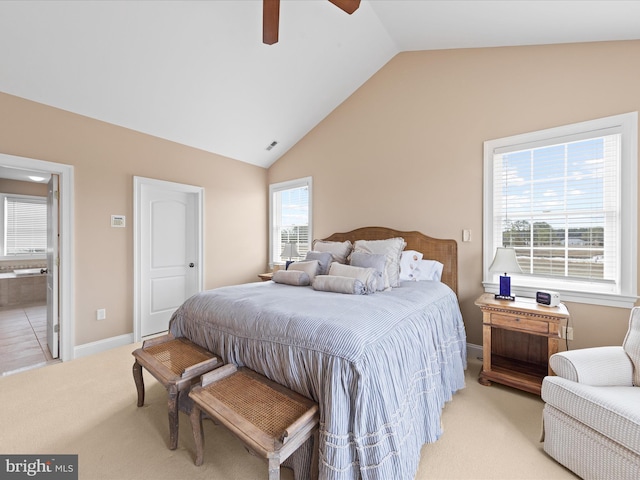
(37,284)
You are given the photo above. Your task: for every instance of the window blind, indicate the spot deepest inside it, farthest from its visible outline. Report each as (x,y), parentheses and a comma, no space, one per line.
(291,221)
(25,226)
(558,205)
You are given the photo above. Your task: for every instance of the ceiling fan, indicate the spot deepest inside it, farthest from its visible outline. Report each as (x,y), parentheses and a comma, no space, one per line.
(271,16)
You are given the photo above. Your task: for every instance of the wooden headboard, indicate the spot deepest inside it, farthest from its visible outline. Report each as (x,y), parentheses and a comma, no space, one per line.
(444,251)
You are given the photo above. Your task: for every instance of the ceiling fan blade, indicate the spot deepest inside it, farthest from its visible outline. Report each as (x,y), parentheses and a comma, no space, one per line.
(348,6)
(270,21)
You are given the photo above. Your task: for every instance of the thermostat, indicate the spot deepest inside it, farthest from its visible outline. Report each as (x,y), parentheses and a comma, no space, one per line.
(118,221)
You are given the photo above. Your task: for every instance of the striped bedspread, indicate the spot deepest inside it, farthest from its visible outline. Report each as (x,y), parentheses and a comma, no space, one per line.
(380,366)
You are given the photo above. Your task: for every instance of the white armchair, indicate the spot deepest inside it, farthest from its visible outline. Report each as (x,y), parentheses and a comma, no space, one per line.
(592,409)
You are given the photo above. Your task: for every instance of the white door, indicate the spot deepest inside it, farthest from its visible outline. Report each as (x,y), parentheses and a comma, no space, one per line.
(53,316)
(169,250)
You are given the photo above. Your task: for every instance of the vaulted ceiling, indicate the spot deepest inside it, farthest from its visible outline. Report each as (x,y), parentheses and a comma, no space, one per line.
(197,72)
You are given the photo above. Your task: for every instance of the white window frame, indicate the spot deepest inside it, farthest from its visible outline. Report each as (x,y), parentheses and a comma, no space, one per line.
(625,294)
(3,225)
(277,188)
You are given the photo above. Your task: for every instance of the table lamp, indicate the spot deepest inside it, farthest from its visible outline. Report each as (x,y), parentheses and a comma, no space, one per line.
(505,262)
(289,250)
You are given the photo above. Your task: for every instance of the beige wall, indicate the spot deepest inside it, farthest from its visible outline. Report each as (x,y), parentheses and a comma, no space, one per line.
(105,159)
(405,150)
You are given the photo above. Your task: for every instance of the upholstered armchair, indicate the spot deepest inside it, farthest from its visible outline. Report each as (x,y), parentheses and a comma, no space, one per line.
(592,409)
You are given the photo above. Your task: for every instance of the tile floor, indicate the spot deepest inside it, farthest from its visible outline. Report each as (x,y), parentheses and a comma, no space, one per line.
(23,338)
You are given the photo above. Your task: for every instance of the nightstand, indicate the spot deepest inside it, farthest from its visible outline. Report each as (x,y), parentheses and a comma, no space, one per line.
(518,337)
(265,276)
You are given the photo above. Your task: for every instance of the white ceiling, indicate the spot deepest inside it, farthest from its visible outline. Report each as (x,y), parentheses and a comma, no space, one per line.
(197,73)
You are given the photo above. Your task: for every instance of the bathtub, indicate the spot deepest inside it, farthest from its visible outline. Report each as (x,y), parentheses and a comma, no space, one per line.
(22,287)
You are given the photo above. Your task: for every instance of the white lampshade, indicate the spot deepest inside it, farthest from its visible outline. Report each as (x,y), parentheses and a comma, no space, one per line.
(505,261)
(290,250)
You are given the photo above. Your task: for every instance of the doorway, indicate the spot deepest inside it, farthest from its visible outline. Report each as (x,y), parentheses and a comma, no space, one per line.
(168,251)
(42,317)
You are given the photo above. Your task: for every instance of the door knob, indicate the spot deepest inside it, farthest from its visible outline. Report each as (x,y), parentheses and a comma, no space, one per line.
(191,265)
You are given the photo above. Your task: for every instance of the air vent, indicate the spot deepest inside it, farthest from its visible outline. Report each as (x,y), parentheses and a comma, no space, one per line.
(272,144)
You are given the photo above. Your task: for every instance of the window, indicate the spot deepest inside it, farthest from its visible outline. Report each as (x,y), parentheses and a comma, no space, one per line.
(565,199)
(289,219)
(24,226)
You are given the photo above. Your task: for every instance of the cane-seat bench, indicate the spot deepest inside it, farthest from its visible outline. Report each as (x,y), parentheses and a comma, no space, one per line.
(271,420)
(177,364)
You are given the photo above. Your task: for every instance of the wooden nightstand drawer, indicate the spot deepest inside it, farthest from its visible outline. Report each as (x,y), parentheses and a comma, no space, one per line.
(519,322)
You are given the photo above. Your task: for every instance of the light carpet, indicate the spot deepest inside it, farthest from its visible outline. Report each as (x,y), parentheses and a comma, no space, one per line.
(88,407)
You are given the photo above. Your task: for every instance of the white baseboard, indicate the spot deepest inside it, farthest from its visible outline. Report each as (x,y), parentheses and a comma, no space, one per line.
(102,345)
(474,351)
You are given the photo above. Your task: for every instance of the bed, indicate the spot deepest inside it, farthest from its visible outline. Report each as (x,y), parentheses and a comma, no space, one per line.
(381,366)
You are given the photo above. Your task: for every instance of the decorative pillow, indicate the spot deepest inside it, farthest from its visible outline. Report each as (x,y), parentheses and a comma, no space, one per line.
(310,268)
(631,343)
(324,259)
(367,276)
(336,284)
(430,270)
(339,250)
(291,277)
(376,261)
(409,263)
(392,249)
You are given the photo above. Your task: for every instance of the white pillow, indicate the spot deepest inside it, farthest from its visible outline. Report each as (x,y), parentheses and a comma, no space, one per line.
(392,249)
(291,277)
(310,267)
(339,250)
(430,270)
(409,263)
(367,276)
(332,283)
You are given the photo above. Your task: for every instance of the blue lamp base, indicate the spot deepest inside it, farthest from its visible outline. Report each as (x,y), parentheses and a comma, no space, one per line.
(505,289)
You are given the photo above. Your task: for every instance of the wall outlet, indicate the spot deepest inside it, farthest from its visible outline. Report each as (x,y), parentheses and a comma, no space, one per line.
(567,332)
(101,314)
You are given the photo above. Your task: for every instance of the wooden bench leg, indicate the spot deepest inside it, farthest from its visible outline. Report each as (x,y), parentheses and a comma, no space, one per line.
(137,377)
(198,434)
(274,468)
(173,417)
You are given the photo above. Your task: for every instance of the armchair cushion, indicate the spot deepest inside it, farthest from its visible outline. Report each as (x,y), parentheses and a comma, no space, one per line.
(611,411)
(598,366)
(631,343)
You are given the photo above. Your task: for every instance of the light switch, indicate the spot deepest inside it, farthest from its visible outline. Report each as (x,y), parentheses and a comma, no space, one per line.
(466,235)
